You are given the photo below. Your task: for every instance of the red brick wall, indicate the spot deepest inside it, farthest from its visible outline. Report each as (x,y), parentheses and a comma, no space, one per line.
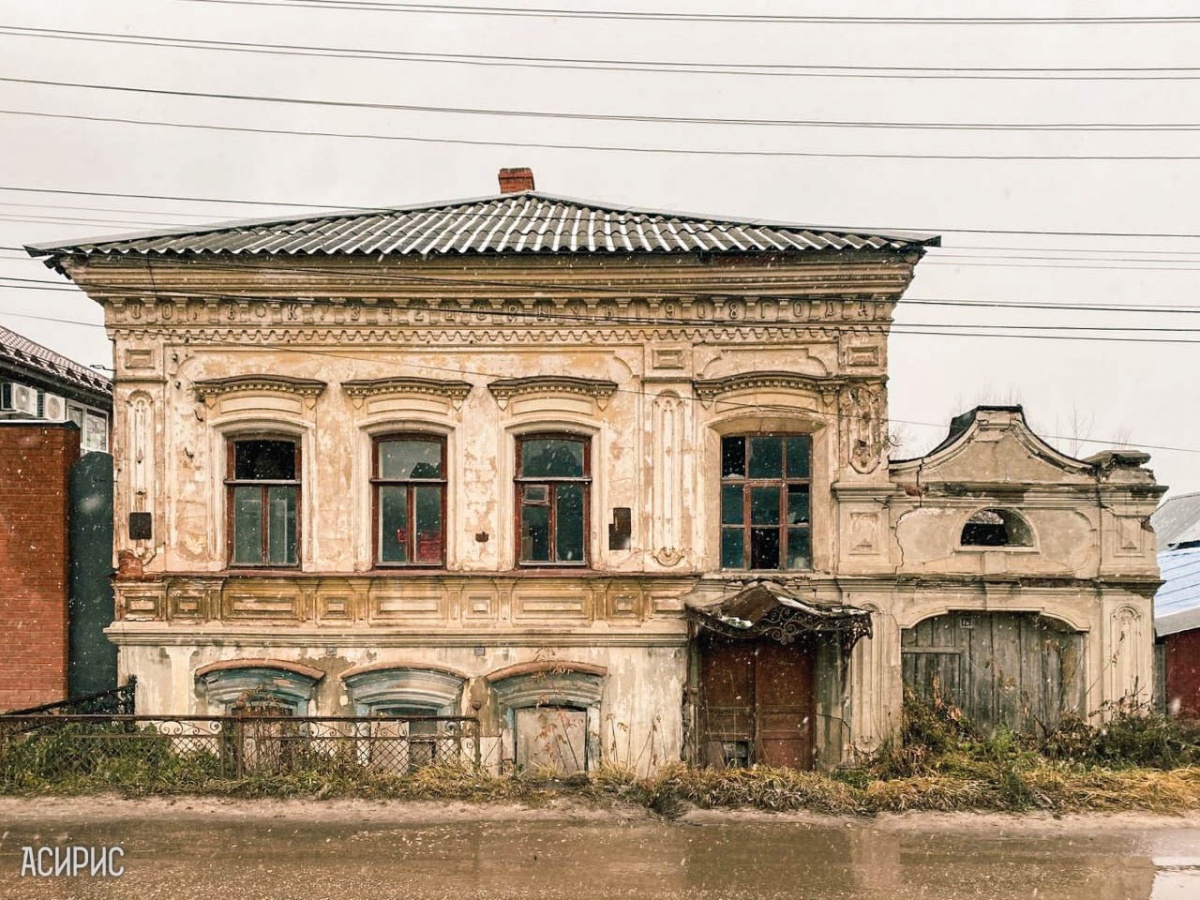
(35,462)
(1183,673)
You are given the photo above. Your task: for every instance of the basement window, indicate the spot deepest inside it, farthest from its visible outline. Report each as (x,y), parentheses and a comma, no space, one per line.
(996,528)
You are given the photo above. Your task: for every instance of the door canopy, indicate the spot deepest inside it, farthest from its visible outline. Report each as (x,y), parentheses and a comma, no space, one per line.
(764,609)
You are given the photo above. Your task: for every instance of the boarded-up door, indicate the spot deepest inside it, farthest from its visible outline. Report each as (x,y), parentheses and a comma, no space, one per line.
(552,738)
(756,703)
(1018,670)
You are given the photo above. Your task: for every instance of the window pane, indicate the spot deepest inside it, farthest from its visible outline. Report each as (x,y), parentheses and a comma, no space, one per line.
(247,525)
(798,457)
(569,522)
(541,458)
(393,523)
(535,533)
(733,456)
(264,461)
(799,550)
(766,457)
(764,548)
(764,505)
(733,548)
(797,504)
(281,526)
(733,510)
(429,524)
(410,459)
(536,493)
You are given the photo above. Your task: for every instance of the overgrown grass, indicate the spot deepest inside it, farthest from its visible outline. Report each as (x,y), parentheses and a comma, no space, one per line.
(1136,761)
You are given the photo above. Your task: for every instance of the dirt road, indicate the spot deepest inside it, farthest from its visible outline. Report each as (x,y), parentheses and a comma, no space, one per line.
(199,848)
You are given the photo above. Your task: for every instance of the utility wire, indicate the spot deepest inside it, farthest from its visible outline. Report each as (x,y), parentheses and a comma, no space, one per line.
(974,73)
(723,122)
(608,148)
(720,18)
(851,229)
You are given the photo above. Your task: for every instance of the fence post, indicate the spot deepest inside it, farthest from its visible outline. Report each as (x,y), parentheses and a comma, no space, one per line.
(239,738)
(478,748)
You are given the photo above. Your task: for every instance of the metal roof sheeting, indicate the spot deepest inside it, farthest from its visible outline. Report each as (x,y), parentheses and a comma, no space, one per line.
(19,352)
(1177,521)
(1177,603)
(525,222)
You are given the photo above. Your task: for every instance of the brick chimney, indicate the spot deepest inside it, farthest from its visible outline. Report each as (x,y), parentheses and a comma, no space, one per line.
(514,180)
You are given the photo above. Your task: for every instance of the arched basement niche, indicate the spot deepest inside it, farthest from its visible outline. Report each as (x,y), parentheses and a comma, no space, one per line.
(551,715)
(261,683)
(552,683)
(996,528)
(388,687)
(1019,670)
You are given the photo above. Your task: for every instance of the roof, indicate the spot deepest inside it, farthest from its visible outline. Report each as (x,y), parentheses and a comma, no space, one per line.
(1177,521)
(20,353)
(1177,603)
(522,222)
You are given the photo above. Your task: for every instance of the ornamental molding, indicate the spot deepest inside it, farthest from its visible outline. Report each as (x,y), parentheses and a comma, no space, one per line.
(209,389)
(709,389)
(305,335)
(873,307)
(598,389)
(454,391)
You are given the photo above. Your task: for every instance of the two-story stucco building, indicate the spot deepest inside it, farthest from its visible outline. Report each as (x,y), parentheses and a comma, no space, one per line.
(615,480)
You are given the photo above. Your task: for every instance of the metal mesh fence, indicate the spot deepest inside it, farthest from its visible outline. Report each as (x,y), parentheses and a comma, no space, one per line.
(63,746)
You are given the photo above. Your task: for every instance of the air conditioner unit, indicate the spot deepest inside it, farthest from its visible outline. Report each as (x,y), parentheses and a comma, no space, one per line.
(54,408)
(18,400)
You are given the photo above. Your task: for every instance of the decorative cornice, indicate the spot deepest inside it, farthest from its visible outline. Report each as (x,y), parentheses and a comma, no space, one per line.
(598,389)
(454,391)
(708,389)
(211,388)
(160,634)
(392,336)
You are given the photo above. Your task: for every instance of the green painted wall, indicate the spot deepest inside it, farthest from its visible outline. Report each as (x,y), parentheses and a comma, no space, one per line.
(92,657)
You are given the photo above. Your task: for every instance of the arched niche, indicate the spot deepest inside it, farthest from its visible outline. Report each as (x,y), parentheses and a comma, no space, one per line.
(260,683)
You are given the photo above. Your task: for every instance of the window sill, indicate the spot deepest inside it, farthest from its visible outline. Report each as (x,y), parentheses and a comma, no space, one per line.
(1002,548)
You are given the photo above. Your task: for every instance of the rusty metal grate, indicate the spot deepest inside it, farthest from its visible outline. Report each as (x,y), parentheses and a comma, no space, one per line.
(62,746)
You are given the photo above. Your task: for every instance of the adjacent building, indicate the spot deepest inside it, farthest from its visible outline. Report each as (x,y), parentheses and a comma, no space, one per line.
(1177,604)
(616,481)
(52,410)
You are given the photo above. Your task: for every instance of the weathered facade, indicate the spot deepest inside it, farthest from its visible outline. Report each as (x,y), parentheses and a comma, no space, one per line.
(615,481)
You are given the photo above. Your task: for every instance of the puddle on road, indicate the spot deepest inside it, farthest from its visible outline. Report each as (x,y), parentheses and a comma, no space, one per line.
(285,858)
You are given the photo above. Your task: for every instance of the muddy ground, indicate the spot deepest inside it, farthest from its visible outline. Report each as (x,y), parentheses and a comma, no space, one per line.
(203,847)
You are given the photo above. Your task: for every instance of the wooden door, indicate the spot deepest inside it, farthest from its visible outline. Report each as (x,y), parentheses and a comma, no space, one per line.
(756,703)
(783,700)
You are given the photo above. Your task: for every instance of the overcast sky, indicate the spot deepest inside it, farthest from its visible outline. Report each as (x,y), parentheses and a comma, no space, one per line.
(994,204)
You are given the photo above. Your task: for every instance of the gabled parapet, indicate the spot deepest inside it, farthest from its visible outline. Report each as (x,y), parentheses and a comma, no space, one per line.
(995,498)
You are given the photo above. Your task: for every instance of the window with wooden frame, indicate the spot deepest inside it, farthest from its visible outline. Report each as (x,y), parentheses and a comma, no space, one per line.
(552,495)
(766,501)
(263,499)
(409,479)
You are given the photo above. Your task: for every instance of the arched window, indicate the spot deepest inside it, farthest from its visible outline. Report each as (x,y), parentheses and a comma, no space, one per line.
(268,686)
(996,528)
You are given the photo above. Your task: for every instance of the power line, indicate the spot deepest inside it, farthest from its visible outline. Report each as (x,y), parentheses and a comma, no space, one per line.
(609,148)
(613,117)
(131,196)
(983,73)
(721,18)
(840,228)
